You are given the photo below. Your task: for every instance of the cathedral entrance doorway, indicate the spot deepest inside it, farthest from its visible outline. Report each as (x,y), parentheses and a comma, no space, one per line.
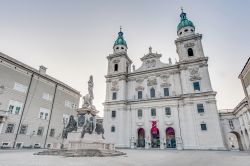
(141,138)
(155,136)
(170,138)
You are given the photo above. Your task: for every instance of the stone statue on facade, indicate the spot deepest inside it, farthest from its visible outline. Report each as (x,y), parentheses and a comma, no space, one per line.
(71,126)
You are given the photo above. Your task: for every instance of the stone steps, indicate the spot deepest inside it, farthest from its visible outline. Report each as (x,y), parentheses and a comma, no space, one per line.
(81,153)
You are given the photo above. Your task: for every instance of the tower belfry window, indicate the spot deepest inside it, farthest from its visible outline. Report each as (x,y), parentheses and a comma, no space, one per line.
(190,52)
(116,67)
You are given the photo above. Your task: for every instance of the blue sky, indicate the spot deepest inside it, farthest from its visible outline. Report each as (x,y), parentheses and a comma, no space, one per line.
(72,38)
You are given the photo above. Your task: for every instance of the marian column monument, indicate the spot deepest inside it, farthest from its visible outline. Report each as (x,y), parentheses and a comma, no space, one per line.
(84,131)
(83,135)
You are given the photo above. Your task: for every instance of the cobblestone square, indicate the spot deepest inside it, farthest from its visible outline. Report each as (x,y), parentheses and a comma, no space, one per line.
(133,158)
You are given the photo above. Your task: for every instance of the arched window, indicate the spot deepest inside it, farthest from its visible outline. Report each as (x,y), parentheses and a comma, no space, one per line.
(190,52)
(153,112)
(167,111)
(112,129)
(152,92)
(116,67)
(139,113)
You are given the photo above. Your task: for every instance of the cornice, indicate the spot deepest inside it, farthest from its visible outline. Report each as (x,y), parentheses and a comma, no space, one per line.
(189,37)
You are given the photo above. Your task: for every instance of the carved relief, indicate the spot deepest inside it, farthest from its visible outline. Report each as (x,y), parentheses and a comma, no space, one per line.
(114,86)
(164,77)
(189,45)
(194,74)
(139,88)
(116,61)
(165,84)
(139,82)
(151,63)
(151,81)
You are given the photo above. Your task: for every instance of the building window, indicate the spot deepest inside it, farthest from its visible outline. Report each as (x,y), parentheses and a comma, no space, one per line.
(113,129)
(190,52)
(166,91)
(52,133)
(15,107)
(200,108)
(152,92)
(17,111)
(44,114)
(47,96)
(153,112)
(116,67)
(231,124)
(113,114)
(70,105)
(20,87)
(139,94)
(40,131)
(11,107)
(196,86)
(10,128)
(114,96)
(203,127)
(23,129)
(167,111)
(139,113)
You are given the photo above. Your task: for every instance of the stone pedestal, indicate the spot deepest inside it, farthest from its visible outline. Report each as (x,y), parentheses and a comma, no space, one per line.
(89,141)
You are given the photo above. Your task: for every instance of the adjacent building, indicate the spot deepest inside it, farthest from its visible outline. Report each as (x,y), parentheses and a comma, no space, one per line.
(236,122)
(162,105)
(34,107)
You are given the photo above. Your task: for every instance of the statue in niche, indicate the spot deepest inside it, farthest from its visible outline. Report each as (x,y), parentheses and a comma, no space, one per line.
(71,126)
(114,86)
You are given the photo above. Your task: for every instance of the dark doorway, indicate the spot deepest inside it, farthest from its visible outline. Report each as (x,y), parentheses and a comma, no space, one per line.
(170,138)
(141,138)
(155,138)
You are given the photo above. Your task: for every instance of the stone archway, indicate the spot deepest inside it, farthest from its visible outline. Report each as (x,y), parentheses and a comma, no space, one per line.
(232,142)
(155,138)
(141,138)
(170,138)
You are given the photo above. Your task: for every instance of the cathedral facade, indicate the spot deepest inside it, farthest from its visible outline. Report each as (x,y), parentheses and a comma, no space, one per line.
(162,105)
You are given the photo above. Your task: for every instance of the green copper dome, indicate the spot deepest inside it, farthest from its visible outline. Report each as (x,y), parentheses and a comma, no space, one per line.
(120,40)
(184,22)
